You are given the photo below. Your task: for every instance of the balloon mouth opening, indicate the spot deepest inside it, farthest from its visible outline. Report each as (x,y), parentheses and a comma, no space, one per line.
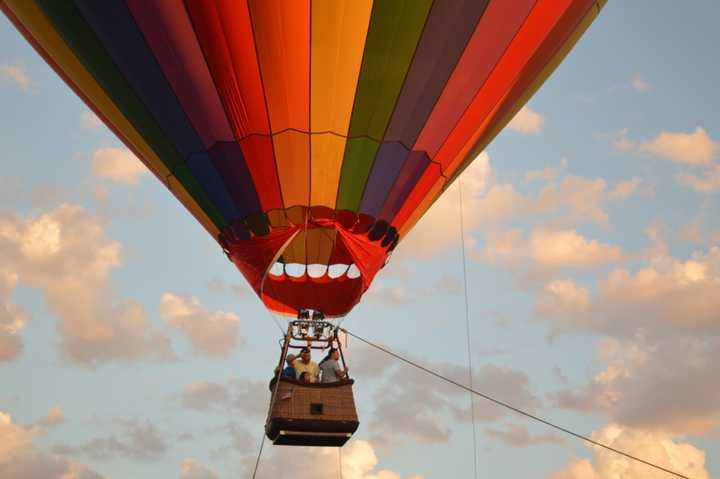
(337,271)
(310,258)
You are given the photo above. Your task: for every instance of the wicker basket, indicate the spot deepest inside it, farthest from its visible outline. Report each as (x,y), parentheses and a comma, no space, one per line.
(312,414)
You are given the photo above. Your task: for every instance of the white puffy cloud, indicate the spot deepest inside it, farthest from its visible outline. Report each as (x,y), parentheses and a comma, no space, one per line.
(119,165)
(15,74)
(20,459)
(666,294)
(578,199)
(656,447)
(488,204)
(212,333)
(568,248)
(662,334)
(66,255)
(527,121)
(708,181)
(563,300)
(547,249)
(694,149)
(359,461)
(439,227)
(190,469)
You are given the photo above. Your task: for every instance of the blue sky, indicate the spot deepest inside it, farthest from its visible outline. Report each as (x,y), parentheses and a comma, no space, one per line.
(130,346)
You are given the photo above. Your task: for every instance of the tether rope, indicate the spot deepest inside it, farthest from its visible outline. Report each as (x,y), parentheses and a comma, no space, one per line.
(340,474)
(257,461)
(512,408)
(467,329)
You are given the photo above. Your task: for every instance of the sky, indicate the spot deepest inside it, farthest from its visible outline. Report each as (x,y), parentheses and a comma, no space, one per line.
(130,347)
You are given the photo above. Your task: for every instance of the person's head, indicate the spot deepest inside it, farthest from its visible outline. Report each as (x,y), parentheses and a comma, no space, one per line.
(290,358)
(303,377)
(305,355)
(332,354)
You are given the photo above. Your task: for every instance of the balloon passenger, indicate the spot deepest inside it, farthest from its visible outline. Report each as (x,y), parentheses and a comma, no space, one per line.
(330,367)
(307,365)
(289,371)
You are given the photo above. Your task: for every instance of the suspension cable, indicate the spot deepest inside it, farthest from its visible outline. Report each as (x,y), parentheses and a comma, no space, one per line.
(340,474)
(275,320)
(467,328)
(512,408)
(257,461)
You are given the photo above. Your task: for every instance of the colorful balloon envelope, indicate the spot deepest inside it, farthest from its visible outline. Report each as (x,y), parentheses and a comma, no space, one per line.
(306,136)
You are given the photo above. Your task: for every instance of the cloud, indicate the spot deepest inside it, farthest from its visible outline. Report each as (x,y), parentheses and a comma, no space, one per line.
(708,182)
(562,300)
(579,199)
(402,294)
(693,149)
(548,173)
(656,447)
(440,228)
(692,232)
(568,248)
(516,435)
(488,205)
(667,294)
(241,395)
(190,469)
(625,189)
(66,254)
(359,461)
(411,405)
(19,458)
(527,121)
(639,84)
(17,75)
(218,286)
(212,333)
(118,165)
(548,249)
(54,417)
(138,440)
(661,334)
(12,319)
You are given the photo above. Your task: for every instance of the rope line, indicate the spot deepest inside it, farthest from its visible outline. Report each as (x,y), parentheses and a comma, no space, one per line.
(467,329)
(340,474)
(275,320)
(257,461)
(512,408)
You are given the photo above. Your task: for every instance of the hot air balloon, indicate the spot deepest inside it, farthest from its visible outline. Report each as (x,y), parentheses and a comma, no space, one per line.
(306,136)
